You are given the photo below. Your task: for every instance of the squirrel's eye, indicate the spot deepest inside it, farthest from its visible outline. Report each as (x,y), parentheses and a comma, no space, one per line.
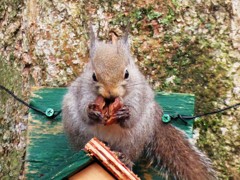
(126,74)
(94,77)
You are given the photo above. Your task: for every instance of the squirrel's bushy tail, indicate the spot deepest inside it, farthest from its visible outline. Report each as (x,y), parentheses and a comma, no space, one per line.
(172,151)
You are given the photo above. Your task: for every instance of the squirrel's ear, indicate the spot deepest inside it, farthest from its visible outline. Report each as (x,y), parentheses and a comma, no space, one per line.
(93,40)
(124,42)
(124,39)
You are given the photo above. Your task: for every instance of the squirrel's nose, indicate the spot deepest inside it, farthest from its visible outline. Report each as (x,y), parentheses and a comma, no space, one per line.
(110,95)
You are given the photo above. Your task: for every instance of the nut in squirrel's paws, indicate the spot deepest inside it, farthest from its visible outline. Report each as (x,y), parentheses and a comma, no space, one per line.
(111,112)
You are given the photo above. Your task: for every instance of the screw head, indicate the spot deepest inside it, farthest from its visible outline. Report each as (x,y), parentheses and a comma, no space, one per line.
(166,118)
(49,112)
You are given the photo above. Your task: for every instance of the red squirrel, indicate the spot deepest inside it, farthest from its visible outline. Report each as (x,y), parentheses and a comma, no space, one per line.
(111,73)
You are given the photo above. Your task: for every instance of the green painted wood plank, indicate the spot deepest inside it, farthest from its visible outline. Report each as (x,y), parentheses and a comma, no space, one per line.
(176,103)
(48,153)
(70,166)
(47,144)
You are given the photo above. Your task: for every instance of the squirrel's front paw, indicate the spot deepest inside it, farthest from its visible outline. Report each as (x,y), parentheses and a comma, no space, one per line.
(122,115)
(94,113)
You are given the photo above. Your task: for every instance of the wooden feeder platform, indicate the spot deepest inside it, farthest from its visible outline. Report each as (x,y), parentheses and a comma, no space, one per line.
(49,155)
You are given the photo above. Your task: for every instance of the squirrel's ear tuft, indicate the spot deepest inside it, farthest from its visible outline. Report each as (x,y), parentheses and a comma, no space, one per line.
(126,34)
(93,40)
(124,42)
(125,37)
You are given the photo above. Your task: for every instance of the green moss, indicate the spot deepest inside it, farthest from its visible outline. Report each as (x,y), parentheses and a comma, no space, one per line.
(13,5)
(10,77)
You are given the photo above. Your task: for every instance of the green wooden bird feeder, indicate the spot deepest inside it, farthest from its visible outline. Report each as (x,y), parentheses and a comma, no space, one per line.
(49,155)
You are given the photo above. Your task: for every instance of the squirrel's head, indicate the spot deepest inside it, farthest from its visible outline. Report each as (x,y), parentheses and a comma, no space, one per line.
(109,63)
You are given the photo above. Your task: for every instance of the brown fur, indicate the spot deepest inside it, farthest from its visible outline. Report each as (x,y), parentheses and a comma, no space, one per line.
(171,149)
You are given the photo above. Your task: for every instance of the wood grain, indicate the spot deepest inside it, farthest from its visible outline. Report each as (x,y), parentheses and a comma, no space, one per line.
(99,150)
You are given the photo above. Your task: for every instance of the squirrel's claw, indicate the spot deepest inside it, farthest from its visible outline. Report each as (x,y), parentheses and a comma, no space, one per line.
(122,114)
(94,114)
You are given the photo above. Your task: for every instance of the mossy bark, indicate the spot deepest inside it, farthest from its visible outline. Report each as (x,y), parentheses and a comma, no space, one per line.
(12,114)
